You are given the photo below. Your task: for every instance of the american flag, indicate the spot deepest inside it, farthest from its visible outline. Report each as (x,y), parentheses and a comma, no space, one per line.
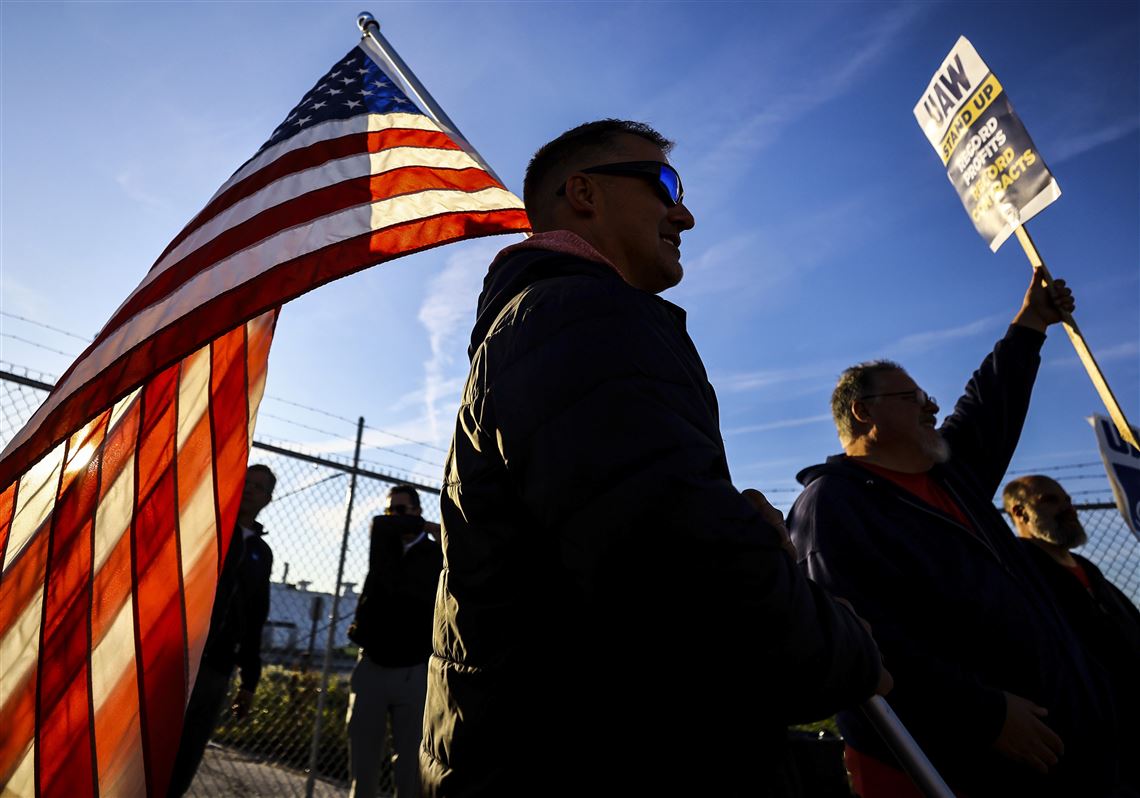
(120,494)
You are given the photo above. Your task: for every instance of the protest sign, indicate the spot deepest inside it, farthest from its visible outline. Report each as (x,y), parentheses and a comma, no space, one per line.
(989,158)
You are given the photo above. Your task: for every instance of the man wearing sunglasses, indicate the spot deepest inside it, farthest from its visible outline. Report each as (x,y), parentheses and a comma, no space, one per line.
(614,616)
(989,678)
(393,629)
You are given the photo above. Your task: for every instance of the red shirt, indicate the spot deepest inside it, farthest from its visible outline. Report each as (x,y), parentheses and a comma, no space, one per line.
(1078,570)
(871,777)
(924,487)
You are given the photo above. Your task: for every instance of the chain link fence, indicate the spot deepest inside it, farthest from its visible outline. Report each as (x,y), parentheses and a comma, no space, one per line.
(294,744)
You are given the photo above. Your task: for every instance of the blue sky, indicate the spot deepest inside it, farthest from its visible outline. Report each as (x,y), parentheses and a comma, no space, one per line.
(827,232)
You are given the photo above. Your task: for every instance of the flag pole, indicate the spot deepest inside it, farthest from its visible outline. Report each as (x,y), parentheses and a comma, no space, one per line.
(913,759)
(378,48)
(1083,352)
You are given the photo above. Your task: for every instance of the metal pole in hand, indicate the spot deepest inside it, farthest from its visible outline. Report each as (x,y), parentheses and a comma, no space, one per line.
(310,782)
(905,749)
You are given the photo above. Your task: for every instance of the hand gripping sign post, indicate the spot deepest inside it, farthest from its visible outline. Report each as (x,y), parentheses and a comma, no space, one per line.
(998,173)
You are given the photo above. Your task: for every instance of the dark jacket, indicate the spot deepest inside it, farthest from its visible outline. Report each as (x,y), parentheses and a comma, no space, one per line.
(241,606)
(394,614)
(1108,624)
(614,617)
(960,617)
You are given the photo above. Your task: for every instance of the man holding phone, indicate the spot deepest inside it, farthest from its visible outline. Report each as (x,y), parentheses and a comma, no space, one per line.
(393,629)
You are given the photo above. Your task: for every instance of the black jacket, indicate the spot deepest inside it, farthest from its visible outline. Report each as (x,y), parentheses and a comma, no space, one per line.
(241,606)
(394,614)
(614,617)
(1108,624)
(959,617)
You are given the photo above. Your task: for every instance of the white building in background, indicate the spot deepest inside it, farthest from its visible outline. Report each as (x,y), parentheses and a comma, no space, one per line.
(299,620)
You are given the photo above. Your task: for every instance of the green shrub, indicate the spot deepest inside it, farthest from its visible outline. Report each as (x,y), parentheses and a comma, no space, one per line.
(280,727)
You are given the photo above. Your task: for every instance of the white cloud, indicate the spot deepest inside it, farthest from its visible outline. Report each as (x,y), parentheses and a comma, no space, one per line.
(1122,351)
(798,97)
(753,380)
(447,314)
(782,424)
(1073,146)
(925,341)
(132,185)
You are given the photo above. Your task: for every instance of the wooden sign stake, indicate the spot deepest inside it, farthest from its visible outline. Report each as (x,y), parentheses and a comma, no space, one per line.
(1083,351)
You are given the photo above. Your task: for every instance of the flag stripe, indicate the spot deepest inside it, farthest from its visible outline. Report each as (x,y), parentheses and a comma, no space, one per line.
(21,614)
(259,194)
(330,130)
(117,728)
(294,205)
(259,334)
(197,532)
(61,484)
(63,679)
(34,499)
(7,508)
(159,631)
(240,267)
(22,581)
(112,578)
(18,720)
(301,161)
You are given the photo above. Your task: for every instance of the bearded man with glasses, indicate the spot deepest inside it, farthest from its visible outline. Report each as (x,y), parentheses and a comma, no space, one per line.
(614,616)
(989,677)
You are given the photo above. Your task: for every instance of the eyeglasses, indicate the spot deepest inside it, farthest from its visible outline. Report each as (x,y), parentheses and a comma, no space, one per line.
(400,509)
(916,395)
(662,174)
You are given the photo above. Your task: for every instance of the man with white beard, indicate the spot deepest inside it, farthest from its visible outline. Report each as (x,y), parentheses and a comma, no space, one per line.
(990,678)
(1107,622)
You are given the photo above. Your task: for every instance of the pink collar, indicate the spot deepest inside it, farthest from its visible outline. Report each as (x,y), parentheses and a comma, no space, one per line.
(562,241)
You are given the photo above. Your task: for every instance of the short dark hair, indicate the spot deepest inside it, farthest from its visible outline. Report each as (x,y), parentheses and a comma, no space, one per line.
(556,158)
(408,491)
(262,467)
(854,383)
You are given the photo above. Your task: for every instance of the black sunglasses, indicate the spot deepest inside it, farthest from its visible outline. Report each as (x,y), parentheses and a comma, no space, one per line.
(401,509)
(662,174)
(916,395)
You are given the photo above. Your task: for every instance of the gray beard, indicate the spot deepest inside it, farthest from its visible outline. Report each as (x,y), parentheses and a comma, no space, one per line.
(1066,534)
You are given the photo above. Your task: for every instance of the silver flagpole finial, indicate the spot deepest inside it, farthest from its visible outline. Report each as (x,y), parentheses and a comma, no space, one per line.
(364,21)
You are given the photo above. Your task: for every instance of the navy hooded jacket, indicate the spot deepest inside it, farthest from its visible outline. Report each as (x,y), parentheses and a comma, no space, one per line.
(960,615)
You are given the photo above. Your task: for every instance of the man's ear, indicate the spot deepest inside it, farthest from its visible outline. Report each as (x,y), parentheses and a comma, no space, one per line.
(581,193)
(1017,512)
(860,412)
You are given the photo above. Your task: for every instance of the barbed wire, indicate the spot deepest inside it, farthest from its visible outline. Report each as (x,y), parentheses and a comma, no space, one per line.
(1051,469)
(299,405)
(37,344)
(342,437)
(353,422)
(383,469)
(311,485)
(85,339)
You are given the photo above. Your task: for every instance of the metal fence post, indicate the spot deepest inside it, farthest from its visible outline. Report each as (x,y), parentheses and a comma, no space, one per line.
(310,782)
